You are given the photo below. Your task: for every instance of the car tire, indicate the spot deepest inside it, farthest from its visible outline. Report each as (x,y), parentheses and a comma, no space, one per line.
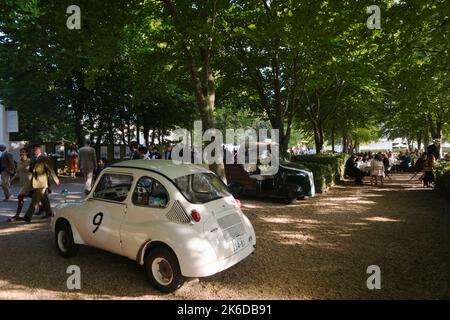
(64,240)
(163,270)
(290,198)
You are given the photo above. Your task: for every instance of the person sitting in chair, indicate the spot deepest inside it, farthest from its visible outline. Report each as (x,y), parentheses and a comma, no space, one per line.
(377,170)
(352,171)
(418,166)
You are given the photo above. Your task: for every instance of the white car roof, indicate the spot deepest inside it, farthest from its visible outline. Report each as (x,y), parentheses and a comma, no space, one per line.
(169,168)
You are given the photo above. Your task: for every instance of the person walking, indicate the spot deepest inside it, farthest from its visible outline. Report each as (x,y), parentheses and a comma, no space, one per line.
(88,162)
(41,168)
(434,149)
(24,175)
(7,170)
(428,167)
(73,160)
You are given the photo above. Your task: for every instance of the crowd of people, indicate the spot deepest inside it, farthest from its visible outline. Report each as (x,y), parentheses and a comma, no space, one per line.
(35,170)
(34,173)
(139,152)
(379,165)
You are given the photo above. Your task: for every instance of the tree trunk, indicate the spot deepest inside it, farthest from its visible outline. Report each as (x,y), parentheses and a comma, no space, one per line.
(419,142)
(436,133)
(128,132)
(204,92)
(345,143)
(138,135)
(122,135)
(318,138)
(426,138)
(78,117)
(153,134)
(146,132)
(110,132)
(332,140)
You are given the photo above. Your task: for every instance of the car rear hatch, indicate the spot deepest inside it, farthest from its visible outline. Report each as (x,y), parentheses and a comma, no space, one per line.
(225,228)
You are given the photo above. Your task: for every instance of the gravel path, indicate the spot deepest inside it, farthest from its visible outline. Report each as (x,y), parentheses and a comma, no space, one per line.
(319,248)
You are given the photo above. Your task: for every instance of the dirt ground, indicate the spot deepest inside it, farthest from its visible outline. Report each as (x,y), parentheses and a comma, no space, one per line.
(318,248)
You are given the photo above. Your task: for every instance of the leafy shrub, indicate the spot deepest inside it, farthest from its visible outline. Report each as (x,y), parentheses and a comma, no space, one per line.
(443,178)
(335,160)
(327,168)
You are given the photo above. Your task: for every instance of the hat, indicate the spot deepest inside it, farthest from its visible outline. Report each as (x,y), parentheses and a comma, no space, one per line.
(2,146)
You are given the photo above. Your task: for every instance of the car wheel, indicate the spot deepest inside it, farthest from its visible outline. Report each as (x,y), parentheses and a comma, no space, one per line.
(290,198)
(163,270)
(64,240)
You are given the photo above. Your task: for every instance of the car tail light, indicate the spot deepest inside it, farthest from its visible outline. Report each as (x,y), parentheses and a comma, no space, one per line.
(195,215)
(238,203)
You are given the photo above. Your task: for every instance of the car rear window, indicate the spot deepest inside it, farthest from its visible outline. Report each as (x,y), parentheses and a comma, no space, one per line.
(201,187)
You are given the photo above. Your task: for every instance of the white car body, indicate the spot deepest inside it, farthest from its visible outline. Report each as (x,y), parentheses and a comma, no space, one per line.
(223,236)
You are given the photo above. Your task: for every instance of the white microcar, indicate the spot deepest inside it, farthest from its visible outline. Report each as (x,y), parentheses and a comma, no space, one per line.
(178,220)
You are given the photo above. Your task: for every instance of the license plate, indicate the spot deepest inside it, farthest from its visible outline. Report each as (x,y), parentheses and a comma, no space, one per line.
(239,243)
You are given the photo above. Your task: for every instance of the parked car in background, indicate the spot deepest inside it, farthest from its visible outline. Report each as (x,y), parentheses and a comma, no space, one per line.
(290,182)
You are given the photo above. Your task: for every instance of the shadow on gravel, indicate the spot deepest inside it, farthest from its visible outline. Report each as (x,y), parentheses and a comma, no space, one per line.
(29,259)
(318,248)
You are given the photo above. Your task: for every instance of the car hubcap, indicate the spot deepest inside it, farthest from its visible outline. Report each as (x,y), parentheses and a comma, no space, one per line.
(62,241)
(162,271)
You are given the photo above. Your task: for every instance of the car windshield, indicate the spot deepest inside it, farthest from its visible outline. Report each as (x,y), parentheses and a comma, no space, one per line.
(201,187)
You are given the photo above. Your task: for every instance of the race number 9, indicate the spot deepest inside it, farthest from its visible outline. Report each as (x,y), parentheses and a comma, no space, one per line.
(97,221)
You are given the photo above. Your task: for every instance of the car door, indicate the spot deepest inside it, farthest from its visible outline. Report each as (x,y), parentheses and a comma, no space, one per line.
(105,211)
(147,207)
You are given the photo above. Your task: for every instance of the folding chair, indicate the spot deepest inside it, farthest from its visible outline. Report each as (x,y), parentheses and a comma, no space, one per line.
(415,175)
(387,172)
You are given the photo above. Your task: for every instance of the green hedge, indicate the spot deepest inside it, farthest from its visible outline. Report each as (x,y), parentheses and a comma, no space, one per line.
(335,160)
(443,178)
(327,168)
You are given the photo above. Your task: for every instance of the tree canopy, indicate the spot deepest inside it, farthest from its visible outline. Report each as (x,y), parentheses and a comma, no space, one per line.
(308,68)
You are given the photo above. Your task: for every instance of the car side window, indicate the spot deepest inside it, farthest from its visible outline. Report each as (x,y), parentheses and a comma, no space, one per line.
(113,187)
(150,193)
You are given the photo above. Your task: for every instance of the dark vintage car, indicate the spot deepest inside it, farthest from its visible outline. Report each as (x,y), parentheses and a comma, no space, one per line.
(292,181)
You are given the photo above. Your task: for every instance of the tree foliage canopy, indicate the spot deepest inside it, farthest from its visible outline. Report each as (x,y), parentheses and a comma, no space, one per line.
(307,67)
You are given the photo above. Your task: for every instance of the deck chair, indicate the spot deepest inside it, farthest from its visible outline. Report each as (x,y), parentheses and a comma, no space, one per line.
(415,175)
(387,171)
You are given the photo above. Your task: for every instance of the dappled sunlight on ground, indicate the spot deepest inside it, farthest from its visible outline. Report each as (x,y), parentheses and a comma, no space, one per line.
(318,248)
(382,219)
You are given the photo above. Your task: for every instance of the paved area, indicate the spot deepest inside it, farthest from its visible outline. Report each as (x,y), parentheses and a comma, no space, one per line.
(319,248)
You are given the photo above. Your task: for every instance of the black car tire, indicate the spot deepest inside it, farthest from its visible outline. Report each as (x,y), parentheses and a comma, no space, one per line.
(163,270)
(291,197)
